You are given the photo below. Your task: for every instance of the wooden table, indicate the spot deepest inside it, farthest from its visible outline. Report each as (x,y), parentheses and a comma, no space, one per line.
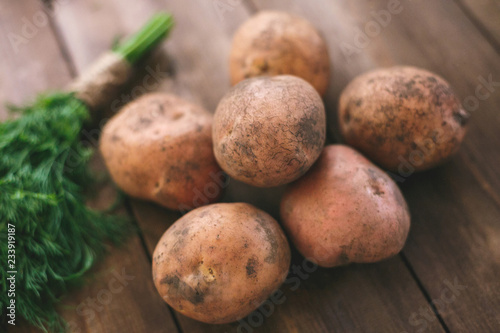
(447,278)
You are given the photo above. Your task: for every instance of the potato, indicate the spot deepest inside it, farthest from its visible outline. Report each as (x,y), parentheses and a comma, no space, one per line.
(159,148)
(402,118)
(218,263)
(275,43)
(268,131)
(345,210)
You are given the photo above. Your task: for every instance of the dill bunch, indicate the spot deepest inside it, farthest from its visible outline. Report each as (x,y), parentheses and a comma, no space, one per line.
(43,173)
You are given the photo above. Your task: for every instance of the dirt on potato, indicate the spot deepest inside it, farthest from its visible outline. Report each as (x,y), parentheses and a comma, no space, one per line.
(268,131)
(402,117)
(345,209)
(159,148)
(279,43)
(219,262)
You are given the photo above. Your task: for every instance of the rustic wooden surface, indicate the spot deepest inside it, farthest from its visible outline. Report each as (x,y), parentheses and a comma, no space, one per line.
(455,234)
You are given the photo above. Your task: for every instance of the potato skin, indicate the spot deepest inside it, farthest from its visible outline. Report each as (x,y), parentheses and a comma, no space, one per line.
(219,262)
(276,43)
(268,131)
(345,210)
(402,115)
(159,148)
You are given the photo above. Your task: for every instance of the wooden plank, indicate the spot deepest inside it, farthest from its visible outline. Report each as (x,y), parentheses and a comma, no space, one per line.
(485,15)
(128,18)
(27,45)
(120,295)
(455,232)
(117,295)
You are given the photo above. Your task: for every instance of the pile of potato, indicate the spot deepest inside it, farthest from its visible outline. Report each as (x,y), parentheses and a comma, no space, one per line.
(219,262)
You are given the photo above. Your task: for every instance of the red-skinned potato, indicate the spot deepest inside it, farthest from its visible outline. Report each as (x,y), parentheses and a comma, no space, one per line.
(277,43)
(345,209)
(159,148)
(268,131)
(219,262)
(404,119)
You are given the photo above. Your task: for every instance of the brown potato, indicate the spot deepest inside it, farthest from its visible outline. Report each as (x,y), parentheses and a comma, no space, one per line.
(275,43)
(268,131)
(159,148)
(402,118)
(345,210)
(218,263)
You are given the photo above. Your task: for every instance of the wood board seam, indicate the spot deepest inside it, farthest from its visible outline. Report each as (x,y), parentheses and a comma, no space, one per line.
(424,291)
(63,48)
(481,182)
(251,6)
(149,257)
(476,22)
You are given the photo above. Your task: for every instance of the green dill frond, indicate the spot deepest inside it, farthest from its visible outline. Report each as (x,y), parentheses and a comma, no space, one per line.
(43,173)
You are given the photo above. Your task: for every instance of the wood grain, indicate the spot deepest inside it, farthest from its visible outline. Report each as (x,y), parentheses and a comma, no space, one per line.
(484,14)
(455,208)
(455,234)
(29,52)
(120,295)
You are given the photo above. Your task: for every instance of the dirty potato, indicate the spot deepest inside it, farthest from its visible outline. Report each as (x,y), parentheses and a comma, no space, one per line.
(403,118)
(268,131)
(219,262)
(345,210)
(159,148)
(275,43)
